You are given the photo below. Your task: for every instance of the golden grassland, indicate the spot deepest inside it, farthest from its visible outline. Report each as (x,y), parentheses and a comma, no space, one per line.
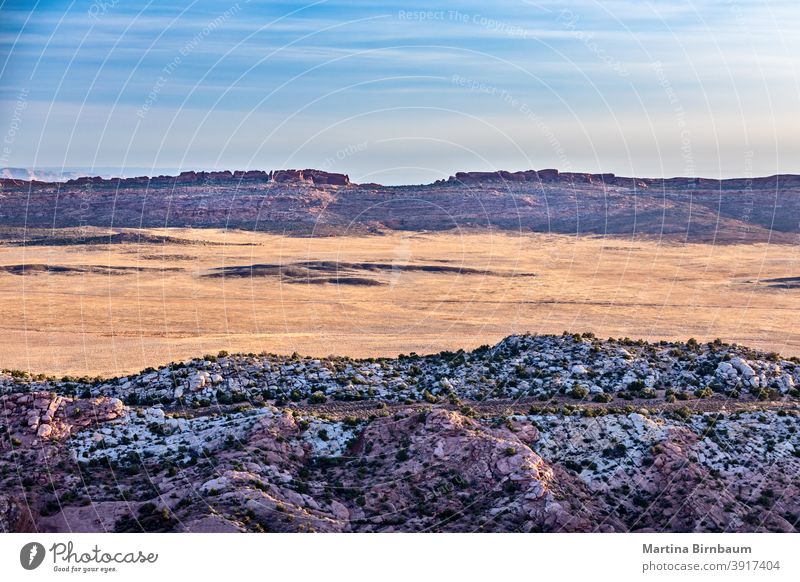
(96,323)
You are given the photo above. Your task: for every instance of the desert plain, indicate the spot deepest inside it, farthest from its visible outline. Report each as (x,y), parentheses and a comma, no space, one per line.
(161,295)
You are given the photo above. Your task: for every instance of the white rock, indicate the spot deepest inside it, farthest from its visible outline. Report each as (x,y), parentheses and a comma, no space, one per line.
(743,367)
(724,367)
(219,484)
(786,383)
(154,415)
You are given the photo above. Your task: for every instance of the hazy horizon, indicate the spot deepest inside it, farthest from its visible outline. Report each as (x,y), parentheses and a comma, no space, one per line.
(393,93)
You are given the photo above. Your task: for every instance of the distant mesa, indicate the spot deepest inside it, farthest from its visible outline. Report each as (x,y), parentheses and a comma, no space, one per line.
(313,177)
(312,202)
(609,179)
(501,176)
(308,176)
(548,175)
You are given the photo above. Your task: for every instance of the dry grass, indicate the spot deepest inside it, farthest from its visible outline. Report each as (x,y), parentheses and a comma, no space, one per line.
(111,322)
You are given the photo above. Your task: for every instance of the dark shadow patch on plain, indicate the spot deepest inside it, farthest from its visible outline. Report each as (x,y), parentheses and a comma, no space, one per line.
(783,282)
(119,238)
(308,270)
(41,268)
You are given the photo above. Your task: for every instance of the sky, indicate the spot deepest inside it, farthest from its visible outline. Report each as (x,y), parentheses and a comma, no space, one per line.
(402,93)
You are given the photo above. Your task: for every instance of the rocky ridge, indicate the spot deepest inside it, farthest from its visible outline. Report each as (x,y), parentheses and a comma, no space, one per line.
(538,367)
(536,433)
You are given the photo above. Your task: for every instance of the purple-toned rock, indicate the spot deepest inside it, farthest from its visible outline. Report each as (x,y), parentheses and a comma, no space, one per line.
(327,178)
(288,176)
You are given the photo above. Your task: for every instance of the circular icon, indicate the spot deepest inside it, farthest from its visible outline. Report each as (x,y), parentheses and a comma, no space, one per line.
(31,555)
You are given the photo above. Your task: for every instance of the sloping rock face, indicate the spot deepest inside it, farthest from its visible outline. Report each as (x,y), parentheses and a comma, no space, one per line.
(429,471)
(309,200)
(439,470)
(673,476)
(416,469)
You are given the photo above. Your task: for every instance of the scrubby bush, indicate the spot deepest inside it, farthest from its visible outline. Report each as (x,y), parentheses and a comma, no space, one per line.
(317,397)
(704,392)
(579,392)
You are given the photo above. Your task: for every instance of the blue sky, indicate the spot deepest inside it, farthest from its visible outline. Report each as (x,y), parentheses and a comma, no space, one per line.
(403,93)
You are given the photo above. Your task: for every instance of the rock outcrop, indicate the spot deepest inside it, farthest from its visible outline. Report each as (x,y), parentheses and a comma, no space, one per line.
(33,417)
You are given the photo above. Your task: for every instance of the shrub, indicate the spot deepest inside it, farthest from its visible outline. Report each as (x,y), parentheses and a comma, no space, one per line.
(579,392)
(636,386)
(760,393)
(615,452)
(428,397)
(317,397)
(468,411)
(704,392)
(683,413)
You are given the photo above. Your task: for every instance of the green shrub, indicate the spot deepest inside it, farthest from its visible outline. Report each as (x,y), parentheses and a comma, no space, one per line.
(317,397)
(704,392)
(579,392)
